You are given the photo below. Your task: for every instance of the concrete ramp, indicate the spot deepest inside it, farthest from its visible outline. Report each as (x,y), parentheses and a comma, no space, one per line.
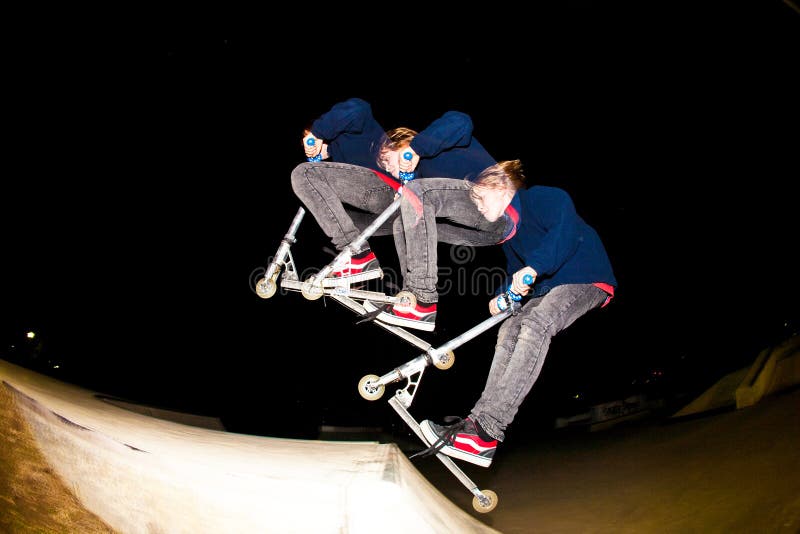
(144,475)
(775,369)
(718,396)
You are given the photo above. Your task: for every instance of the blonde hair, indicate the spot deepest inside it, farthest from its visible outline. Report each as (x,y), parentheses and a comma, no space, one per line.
(398,138)
(394,139)
(502,175)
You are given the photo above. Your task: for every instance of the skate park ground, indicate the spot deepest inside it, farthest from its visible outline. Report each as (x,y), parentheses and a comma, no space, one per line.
(716,469)
(729,471)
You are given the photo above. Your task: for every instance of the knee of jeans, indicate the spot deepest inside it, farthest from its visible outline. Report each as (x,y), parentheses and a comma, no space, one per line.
(538,324)
(299,178)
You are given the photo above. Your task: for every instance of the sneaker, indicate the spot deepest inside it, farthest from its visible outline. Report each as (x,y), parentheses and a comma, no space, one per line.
(421,317)
(459,440)
(361,267)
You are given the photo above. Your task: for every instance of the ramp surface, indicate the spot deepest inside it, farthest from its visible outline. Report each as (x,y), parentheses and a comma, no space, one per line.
(727,471)
(142,475)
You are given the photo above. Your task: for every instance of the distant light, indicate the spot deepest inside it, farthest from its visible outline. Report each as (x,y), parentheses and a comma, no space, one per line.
(56,366)
(31,334)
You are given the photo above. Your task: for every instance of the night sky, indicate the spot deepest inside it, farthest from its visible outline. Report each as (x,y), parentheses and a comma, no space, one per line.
(151,185)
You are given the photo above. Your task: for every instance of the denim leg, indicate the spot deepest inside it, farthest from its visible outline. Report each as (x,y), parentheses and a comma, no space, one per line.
(326,187)
(522,344)
(362,219)
(448,233)
(431,204)
(400,241)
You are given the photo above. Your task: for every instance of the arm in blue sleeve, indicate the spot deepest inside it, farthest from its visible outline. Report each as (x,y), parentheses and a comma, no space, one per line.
(513,264)
(348,116)
(453,129)
(556,213)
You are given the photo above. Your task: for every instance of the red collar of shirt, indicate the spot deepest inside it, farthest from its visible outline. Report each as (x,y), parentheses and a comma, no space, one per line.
(513,214)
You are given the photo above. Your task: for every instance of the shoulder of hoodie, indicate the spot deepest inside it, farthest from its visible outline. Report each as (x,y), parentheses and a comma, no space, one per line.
(545,192)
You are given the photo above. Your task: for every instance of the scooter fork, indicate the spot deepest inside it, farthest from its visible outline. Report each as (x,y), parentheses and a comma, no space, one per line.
(266,286)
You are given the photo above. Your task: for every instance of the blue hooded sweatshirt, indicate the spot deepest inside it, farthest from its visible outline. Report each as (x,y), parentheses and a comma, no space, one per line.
(447,149)
(553,239)
(352,133)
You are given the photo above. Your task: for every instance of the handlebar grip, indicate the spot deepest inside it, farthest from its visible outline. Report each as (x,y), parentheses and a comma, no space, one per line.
(311,142)
(527,280)
(407,176)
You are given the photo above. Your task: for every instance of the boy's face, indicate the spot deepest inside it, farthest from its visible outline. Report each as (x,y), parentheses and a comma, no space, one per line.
(490,201)
(389,161)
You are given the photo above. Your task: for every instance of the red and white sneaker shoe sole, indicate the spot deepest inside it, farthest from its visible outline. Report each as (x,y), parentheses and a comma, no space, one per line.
(453,452)
(403,322)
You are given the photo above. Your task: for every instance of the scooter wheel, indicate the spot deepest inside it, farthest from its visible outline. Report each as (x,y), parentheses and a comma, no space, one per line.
(445,361)
(311,290)
(406,298)
(485,507)
(266,288)
(367,390)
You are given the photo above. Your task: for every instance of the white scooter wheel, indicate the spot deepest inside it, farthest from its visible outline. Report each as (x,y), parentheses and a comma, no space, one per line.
(445,361)
(265,288)
(406,299)
(311,290)
(485,507)
(369,391)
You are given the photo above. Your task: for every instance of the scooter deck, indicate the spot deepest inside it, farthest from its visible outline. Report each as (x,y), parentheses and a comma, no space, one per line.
(402,333)
(342,290)
(349,298)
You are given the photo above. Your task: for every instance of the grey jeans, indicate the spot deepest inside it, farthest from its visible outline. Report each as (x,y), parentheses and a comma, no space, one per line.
(522,344)
(326,187)
(447,215)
